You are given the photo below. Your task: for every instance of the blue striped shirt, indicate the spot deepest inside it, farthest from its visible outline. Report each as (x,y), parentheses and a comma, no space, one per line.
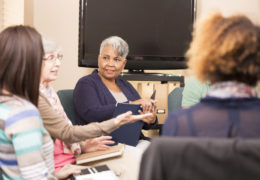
(26,149)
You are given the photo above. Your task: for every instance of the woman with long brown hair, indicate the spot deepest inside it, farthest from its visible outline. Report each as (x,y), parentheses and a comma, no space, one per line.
(26,149)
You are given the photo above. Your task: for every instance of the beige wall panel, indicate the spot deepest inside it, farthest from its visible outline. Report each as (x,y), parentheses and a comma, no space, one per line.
(1,14)
(58,19)
(250,8)
(28,12)
(12,12)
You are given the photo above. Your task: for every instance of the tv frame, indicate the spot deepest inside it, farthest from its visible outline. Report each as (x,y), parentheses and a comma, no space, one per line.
(132,65)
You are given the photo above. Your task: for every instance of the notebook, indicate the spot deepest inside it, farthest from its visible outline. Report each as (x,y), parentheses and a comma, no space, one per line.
(113,151)
(129,133)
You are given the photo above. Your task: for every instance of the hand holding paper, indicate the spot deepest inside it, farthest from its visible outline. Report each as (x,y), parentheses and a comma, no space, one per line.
(128,133)
(127,117)
(152,110)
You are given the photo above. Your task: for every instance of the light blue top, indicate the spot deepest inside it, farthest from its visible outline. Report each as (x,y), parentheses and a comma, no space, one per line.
(193,91)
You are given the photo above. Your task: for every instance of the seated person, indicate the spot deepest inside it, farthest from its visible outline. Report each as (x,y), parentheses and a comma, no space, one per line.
(96,95)
(57,123)
(26,149)
(226,52)
(193,91)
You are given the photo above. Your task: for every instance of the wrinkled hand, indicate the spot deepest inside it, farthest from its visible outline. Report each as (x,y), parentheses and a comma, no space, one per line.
(98,144)
(75,149)
(127,117)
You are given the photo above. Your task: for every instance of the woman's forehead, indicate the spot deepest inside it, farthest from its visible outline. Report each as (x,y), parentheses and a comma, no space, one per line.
(53,52)
(109,50)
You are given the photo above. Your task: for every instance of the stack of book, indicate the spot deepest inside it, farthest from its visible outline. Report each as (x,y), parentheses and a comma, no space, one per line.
(113,151)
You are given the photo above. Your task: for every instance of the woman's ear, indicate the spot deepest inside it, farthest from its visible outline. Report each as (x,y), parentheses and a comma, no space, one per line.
(124,63)
(99,57)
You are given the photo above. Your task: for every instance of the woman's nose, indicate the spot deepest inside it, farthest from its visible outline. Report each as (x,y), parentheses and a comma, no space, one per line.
(57,62)
(111,62)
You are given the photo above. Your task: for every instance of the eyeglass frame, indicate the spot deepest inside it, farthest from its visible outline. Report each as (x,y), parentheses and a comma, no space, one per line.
(53,57)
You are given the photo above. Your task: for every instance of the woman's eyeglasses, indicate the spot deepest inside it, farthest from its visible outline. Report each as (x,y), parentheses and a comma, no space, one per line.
(53,58)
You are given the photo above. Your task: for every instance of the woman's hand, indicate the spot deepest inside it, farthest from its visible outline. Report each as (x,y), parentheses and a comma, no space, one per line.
(64,173)
(144,102)
(75,149)
(97,144)
(152,110)
(127,117)
(148,106)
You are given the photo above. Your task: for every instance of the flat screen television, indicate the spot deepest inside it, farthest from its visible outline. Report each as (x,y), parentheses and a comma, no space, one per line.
(158,32)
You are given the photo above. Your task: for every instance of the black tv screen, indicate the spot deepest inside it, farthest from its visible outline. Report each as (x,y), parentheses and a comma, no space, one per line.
(158,32)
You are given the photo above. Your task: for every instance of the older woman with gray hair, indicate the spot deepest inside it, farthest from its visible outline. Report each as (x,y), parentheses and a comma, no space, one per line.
(65,135)
(96,95)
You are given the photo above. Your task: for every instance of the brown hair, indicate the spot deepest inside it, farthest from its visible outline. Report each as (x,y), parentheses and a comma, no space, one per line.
(21,54)
(226,49)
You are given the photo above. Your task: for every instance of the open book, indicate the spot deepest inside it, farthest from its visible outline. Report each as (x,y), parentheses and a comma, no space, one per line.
(113,151)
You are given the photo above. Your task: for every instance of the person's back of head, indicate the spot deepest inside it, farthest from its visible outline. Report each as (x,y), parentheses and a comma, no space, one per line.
(21,54)
(226,49)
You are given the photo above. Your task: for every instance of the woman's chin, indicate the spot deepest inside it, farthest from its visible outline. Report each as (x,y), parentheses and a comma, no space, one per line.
(53,78)
(110,75)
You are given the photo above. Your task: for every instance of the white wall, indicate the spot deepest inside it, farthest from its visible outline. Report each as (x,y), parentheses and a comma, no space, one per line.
(28,12)
(59,20)
(251,8)
(11,12)
(1,15)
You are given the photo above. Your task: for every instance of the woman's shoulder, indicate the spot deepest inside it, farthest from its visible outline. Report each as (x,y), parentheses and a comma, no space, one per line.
(186,111)
(15,106)
(17,102)
(89,78)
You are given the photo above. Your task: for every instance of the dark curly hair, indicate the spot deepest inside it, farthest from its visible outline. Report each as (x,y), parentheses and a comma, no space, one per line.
(226,49)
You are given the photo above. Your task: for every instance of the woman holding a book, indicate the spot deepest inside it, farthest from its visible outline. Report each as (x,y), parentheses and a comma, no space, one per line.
(97,95)
(26,149)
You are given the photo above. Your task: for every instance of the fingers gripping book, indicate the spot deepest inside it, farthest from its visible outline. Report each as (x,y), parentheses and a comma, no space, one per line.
(129,133)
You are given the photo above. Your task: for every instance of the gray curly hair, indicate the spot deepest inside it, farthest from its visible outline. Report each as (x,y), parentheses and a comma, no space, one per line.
(116,42)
